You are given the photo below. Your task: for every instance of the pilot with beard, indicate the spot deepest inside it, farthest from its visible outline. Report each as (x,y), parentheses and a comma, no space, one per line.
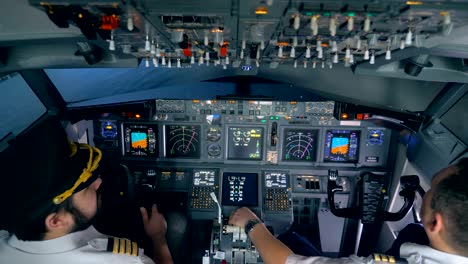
(51,201)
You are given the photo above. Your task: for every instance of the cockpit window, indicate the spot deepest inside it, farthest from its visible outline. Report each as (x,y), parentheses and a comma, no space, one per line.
(455,119)
(19,106)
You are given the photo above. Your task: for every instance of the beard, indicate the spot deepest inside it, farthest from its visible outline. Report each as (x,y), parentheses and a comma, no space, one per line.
(82,222)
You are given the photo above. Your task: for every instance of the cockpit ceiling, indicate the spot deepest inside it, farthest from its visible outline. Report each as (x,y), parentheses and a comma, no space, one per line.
(397,53)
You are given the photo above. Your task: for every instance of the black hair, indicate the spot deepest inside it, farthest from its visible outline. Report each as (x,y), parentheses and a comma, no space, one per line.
(450,198)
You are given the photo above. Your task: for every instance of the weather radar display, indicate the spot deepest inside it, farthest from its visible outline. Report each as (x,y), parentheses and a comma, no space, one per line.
(300,145)
(182,141)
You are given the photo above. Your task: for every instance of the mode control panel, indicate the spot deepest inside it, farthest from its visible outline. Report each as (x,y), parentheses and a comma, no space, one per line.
(277,191)
(205,181)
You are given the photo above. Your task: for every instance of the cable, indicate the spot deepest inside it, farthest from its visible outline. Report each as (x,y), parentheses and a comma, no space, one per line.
(213,196)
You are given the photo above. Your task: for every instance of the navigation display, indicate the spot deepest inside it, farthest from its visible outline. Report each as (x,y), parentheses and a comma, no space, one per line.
(240,189)
(341,146)
(300,145)
(182,141)
(276,179)
(204,177)
(140,140)
(245,143)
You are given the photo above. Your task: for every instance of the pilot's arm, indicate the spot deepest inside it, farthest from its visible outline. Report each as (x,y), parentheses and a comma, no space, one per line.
(271,249)
(156,227)
(274,251)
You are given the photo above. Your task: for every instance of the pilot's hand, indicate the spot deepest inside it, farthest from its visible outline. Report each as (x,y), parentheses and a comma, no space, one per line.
(241,216)
(155,225)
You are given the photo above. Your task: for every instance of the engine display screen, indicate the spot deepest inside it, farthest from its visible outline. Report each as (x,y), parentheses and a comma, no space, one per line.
(240,189)
(204,177)
(245,143)
(300,145)
(140,140)
(342,145)
(276,179)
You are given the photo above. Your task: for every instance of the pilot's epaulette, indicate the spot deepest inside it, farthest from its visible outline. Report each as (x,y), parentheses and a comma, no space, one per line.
(381,259)
(122,246)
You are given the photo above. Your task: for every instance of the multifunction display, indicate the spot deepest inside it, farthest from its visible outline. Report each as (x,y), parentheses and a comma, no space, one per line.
(140,140)
(182,141)
(204,177)
(276,179)
(240,189)
(300,145)
(245,143)
(341,146)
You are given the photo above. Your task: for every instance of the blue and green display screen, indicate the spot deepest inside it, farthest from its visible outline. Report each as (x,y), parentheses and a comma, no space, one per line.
(140,140)
(342,145)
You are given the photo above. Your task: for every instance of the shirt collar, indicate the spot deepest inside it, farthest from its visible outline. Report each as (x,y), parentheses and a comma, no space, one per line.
(62,244)
(414,253)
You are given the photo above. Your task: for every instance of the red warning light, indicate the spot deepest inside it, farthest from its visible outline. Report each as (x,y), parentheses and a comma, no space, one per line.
(188,50)
(110,22)
(223,51)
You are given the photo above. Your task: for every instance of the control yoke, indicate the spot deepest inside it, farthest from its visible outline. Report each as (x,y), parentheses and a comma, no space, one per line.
(371,198)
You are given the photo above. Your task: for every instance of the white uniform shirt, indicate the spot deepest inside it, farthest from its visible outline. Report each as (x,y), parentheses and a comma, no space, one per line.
(413,253)
(87,246)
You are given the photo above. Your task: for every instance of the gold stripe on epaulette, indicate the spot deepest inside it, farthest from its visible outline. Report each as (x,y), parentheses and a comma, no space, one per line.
(134,249)
(115,249)
(128,247)
(377,257)
(122,246)
(384,258)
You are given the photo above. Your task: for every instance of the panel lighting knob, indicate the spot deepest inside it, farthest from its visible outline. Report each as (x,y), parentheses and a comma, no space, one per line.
(409,38)
(307,52)
(314,25)
(293,53)
(297,22)
(334,46)
(367,23)
(388,54)
(350,23)
(130,25)
(332,26)
(280,51)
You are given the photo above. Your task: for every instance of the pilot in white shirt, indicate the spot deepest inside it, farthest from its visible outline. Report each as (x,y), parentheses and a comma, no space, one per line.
(52,200)
(443,217)
(410,253)
(87,246)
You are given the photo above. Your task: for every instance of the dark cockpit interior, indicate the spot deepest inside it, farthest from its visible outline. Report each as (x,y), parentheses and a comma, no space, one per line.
(326,118)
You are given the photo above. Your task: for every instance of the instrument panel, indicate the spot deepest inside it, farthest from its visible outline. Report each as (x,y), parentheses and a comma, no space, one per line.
(251,132)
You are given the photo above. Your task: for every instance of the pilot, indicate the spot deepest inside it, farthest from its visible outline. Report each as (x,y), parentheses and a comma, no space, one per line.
(51,198)
(443,215)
